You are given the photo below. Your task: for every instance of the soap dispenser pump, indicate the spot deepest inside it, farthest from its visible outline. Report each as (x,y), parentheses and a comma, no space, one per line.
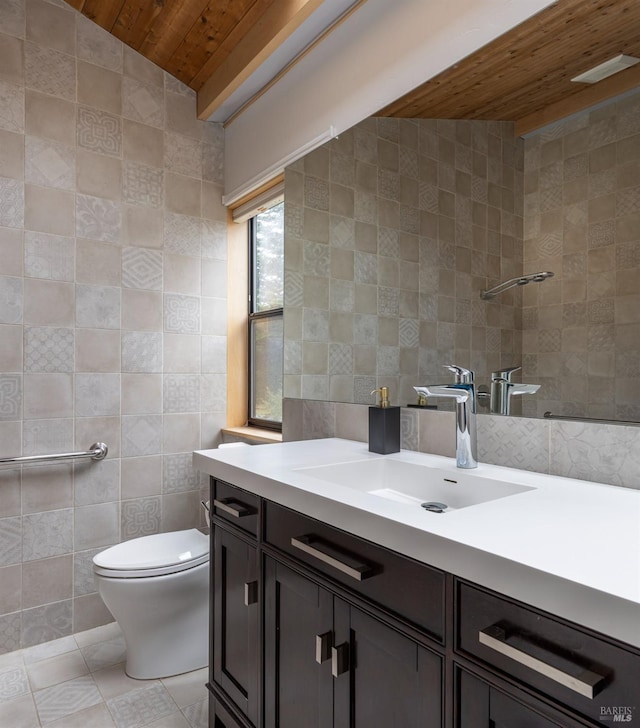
(384,425)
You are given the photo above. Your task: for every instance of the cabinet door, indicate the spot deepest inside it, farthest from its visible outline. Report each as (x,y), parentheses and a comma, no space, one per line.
(297,642)
(236,621)
(384,678)
(482,706)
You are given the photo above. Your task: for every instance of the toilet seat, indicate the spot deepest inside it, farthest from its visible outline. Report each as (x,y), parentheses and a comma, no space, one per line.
(156,555)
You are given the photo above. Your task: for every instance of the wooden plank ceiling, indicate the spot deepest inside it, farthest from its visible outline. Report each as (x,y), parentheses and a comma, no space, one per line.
(523,76)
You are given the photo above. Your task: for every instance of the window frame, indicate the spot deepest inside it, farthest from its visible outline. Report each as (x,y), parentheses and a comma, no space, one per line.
(252,316)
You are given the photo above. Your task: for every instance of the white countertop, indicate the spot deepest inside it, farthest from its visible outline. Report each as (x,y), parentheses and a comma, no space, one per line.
(567,546)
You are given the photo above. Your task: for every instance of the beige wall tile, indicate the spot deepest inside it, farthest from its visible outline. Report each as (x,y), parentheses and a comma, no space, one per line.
(181,114)
(50,117)
(48,396)
(142,226)
(49,303)
(143,143)
(12,59)
(182,275)
(97,350)
(99,175)
(11,154)
(182,194)
(140,68)
(10,348)
(181,353)
(141,395)
(57,494)
(49,210)
(89,611)
(141,476)
(11,250)
(51,25)
(97,263)
(47,580)
(181,433)
(141,310)
(103,429)
(99,87)
(10,594)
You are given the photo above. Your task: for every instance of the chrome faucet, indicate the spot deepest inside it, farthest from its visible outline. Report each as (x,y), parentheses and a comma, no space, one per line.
(464,392)
(502,389)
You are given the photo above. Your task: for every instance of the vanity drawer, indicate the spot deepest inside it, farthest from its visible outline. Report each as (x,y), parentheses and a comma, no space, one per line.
(588,673)
(406,587)
(236,506)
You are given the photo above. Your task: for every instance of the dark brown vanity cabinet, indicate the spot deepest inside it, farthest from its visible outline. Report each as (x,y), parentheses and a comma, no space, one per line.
(328,663)
(313,627)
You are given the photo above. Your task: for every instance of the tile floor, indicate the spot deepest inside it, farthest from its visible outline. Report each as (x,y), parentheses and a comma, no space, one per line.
(79,682)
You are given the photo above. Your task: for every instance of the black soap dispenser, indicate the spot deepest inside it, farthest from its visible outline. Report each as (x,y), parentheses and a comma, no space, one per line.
(384,425)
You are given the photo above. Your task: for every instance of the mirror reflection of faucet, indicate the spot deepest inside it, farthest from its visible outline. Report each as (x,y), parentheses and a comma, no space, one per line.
(503,389)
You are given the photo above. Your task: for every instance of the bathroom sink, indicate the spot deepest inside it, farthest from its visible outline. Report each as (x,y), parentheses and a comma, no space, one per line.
(414,484)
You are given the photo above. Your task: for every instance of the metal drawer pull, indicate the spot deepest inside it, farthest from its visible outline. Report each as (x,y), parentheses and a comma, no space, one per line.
(324,643)
(233,508)
(321,551)
(584,683)
(250,593)
(340,659)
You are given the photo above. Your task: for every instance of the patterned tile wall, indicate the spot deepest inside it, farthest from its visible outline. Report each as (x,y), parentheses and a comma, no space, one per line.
(111,228)
(581,335)
(584,450)
(391,231)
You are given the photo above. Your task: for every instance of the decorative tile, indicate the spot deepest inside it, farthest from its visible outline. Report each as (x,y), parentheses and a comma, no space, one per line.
(10,625)
(11,107)
(97,394)
(105,653)
(316,257)
(316,193)
(48,349)
(50,71)
(178,473)
(99,131)
(181,314)
(49,163)
(183,235)
(214,391)
(140,517)
(67,698)
(409,434)
(366,207)
(388,301)
(293,289)
(214,240)
(140,707)
(628,201)
(142,185)
(10,396)
(601,234)
(142,268)
(10,542)
(13,683)
(366,268)
(47,534)
(213,163)
(409,332)
(141,435)
(96,45)
(141,351)
(514,442)
(142,102)
(362,388)
(181,393)
(49,622)
(49,256)
(83,581)
(98,307)
(197,714)
(99,219)
(340,359)
(11,202)
(183,155)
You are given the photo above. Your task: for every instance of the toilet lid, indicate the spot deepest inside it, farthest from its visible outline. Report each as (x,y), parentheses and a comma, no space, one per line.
(177,548)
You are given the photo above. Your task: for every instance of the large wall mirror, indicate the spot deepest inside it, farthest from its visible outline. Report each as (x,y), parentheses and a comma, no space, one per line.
(394,229)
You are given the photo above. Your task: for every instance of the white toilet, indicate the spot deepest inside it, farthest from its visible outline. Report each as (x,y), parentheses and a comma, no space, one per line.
(157,589)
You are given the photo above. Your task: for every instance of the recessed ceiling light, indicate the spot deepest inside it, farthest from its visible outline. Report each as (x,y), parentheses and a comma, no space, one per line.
(608,68)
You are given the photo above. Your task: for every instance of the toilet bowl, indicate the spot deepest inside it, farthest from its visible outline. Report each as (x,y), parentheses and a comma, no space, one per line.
(157,589)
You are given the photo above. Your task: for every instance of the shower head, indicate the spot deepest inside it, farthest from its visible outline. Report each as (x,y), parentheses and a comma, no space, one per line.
(520,281)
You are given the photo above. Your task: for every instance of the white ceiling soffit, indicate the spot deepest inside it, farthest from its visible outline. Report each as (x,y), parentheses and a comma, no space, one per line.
(293,46)
(379,53)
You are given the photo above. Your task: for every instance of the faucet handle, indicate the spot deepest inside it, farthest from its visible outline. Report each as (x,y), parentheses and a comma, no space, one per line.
(503,374)
(463,376)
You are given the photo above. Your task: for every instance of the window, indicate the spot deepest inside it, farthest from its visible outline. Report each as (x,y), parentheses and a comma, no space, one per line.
(266,333)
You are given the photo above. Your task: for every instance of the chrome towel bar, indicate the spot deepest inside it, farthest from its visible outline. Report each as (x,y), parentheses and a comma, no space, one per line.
(98,451)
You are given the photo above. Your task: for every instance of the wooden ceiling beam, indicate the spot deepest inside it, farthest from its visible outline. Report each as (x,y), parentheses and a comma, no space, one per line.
(276,24)
(596,93)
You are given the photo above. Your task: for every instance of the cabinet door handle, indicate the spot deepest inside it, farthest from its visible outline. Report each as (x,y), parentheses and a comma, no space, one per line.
(584,682)
(233,508)
(250,593)
(324,643)
(340,659)
(324,552)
